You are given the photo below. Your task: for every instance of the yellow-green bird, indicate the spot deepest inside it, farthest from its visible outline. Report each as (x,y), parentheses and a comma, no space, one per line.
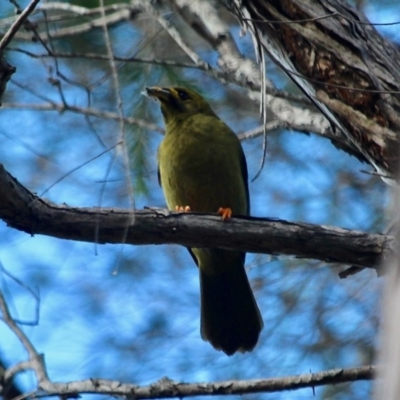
(202,168)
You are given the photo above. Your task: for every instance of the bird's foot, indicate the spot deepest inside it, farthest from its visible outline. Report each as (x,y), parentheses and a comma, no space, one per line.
(226,213)
(182,208)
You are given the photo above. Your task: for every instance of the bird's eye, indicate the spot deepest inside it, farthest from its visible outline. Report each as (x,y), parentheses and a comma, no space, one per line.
(183,95)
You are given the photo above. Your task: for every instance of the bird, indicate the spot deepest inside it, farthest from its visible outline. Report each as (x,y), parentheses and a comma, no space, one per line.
(202,168)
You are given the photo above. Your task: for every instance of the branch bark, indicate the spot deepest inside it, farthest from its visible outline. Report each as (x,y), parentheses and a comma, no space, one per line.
(24,211)
(166,388)
(335,55)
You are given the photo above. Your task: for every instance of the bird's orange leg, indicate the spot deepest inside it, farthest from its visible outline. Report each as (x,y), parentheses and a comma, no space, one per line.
(226,213)
(182,208)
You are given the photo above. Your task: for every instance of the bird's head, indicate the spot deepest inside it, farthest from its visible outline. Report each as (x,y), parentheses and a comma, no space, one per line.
(178,102)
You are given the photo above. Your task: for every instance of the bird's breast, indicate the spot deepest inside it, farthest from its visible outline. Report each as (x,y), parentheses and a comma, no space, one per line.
(201,174)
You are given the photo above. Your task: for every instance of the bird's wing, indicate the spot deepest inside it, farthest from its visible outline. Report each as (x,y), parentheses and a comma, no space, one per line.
(243,168)
(159,176)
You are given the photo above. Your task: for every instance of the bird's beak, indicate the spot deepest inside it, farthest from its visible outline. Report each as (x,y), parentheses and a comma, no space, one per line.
(159,93)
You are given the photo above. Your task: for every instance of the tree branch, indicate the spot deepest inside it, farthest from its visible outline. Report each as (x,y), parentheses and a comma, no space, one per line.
(166,388)
(17,25)
(62,107)
(24,211)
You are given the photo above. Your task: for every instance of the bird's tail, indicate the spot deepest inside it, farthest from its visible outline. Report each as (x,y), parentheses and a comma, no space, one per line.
(230,318)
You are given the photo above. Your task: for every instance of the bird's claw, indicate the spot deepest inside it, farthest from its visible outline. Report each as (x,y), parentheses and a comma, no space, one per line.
(182,208)
(226,213)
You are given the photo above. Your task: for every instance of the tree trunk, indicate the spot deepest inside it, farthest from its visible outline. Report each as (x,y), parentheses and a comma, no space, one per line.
(338,59)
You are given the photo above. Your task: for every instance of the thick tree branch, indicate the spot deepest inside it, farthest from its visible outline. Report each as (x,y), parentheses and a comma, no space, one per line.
(25,211)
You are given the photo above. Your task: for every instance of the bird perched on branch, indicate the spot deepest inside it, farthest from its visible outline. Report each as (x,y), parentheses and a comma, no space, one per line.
(202,168)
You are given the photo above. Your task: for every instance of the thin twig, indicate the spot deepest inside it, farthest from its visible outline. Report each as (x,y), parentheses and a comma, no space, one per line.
(34,356)
(122,133)
(17,24)
(84,111)
(221,75)
(79,167)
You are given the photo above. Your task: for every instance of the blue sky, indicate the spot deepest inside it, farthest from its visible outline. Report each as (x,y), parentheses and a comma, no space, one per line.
(131,312)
